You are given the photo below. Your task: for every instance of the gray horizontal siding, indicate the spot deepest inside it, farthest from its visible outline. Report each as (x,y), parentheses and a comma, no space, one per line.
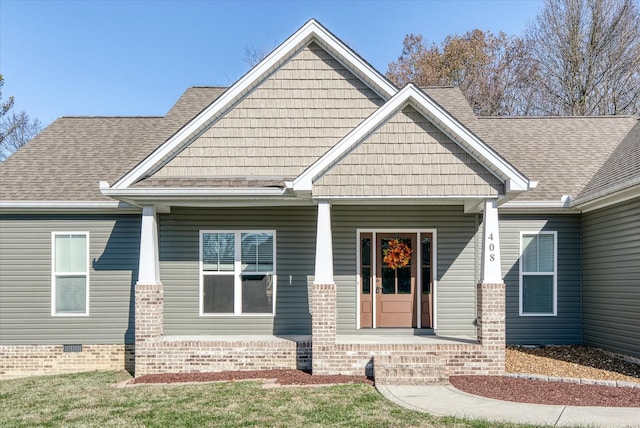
(179,268)
(611,254)
(25,279)
(565,328)
(456,275)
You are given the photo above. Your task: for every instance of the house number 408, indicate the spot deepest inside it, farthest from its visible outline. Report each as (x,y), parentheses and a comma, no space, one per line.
(492,247)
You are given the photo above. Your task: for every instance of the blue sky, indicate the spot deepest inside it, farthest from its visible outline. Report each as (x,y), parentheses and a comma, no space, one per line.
(135,58)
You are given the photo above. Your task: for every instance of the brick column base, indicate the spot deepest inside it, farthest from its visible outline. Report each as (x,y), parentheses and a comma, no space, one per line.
(149,326)
(491,323)
(323,327)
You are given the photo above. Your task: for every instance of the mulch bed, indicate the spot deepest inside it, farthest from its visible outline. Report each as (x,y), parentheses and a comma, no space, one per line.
(283,377)
(541,392)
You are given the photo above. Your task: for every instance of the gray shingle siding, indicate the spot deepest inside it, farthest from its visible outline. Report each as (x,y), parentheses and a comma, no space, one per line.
(25,279)
(611,254)
(565,327)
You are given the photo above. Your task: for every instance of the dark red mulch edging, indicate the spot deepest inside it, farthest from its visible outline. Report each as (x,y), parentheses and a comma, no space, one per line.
(542,392)
(283,377)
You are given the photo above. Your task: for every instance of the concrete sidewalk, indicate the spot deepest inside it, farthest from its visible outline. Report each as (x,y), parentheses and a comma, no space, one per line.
(445,400)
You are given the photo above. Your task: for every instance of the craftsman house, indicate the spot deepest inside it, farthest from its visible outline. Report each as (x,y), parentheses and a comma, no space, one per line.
(313,215)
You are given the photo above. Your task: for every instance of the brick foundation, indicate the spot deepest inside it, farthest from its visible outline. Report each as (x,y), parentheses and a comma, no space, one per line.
(390,363)
(173,355)
(156,353)
(31,360)
(486,357)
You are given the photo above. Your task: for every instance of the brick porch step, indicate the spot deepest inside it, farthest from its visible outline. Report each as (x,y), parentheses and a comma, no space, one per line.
(409,370)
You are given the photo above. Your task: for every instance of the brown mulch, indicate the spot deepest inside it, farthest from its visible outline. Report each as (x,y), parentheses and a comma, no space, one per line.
(282,377)
(541,392)
(570,361)
(552,361)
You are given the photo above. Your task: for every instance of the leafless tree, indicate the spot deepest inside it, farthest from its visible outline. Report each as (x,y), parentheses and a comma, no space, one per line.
(16,130)
(5,106)
(489,69)
(587,57)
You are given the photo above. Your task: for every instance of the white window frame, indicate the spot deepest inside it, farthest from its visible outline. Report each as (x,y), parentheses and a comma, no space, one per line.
(554,273)
(55,274)
(237,275)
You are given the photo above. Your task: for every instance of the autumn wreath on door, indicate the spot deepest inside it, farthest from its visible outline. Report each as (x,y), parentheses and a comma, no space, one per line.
(397,254)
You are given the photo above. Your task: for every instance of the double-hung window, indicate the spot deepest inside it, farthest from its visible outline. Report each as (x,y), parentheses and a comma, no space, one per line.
(70,273)
(237,272)
(538,273)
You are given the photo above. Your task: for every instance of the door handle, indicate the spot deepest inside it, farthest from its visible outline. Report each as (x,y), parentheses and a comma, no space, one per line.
(378,290)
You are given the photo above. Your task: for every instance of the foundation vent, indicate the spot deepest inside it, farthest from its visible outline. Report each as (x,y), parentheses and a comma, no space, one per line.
(71,348)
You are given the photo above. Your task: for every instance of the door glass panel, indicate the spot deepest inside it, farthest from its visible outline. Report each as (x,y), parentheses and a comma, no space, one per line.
(366,251)
(426,280)
(366,280)
(388,281)
(404,280)
(426,250)
(365,272)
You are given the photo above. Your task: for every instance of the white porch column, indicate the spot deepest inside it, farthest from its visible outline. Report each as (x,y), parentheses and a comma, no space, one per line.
(491,272)
(324,245)
(149,268)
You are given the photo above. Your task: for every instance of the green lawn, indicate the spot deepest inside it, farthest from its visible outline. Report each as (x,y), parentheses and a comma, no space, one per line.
(89,399)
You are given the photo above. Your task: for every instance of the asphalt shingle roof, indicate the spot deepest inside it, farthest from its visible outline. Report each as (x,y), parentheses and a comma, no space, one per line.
(621,167)
(67,160)
(561,153)
(565,155)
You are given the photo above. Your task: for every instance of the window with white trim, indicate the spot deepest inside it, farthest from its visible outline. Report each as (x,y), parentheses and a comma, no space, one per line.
(237,272)
(538,273)
(70,273)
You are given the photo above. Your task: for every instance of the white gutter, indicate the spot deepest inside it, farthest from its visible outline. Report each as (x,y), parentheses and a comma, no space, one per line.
(71,205)
(618,192)
(563,205)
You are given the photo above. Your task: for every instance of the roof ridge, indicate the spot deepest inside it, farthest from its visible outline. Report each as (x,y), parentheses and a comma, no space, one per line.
(111,117)
(209,87)
(561,117)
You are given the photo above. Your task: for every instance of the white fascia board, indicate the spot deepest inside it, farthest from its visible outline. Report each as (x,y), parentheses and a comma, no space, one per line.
(194,192)
(311,31)
(93,207)
(561,206)
(404,200)
(71,205)
(410,94)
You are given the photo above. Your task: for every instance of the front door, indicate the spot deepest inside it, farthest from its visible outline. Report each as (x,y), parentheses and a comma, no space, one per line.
(396,280)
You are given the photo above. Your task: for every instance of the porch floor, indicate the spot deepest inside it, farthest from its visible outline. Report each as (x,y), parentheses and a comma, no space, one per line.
(370,338)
